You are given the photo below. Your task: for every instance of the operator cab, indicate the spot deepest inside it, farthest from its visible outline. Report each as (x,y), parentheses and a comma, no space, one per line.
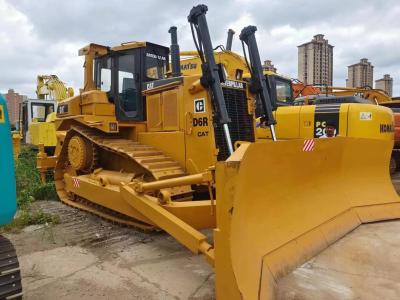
(31,111)
(122,71)
(283,88)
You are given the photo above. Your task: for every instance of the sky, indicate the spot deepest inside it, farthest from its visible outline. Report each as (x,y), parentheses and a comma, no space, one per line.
(43,37)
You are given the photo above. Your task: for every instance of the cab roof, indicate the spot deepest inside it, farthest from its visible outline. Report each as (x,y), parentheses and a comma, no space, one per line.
(101,49)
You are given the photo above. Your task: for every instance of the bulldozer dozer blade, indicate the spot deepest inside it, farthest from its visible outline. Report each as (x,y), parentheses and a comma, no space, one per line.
(281,203)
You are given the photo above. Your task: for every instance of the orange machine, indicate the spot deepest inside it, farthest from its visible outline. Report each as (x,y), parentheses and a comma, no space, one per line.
(300,89)
(395,107)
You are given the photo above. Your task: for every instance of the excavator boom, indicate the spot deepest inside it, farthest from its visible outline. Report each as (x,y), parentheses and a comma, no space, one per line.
(51,87)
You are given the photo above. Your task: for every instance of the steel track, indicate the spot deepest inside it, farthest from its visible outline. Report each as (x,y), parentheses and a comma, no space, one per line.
(153,162)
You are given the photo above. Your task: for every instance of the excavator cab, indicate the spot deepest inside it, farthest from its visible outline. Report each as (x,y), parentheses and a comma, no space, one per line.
(283,89)
(35,111)
(280,90)
(121,73)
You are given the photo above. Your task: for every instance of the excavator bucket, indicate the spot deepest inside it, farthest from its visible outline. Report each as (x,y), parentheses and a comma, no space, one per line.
(281,203)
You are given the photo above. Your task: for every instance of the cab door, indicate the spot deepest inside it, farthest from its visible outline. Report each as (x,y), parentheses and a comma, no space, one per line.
(129,104)
(117,74)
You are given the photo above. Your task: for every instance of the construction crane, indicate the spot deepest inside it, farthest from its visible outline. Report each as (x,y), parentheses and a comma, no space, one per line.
(179,153)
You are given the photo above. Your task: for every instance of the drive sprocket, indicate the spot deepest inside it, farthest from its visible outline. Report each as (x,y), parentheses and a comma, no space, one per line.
(82,154)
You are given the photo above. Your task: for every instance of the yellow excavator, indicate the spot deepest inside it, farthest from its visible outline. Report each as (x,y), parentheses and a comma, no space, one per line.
(37,115)
(335,95)
(37,118)
(376,96)
(51,87)
(49,90)
(179,154)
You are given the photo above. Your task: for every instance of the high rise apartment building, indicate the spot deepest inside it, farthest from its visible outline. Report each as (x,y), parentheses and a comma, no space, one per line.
(14,100)
(315,61)
(268,66)
(360,75)
(386,84)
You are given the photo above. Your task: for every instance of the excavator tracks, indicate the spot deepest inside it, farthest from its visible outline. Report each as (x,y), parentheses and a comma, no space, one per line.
(155,165)
(10,274)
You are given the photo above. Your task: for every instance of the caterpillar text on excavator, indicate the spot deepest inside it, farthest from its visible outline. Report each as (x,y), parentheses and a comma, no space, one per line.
(179,153)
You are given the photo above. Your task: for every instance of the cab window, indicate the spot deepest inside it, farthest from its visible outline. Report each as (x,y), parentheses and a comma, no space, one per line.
(283,90)
(127,89)
(39,111)
(103,74)
(156,65)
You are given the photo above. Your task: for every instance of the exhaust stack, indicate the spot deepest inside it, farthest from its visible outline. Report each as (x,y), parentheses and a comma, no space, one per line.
(175,57)
(231,32)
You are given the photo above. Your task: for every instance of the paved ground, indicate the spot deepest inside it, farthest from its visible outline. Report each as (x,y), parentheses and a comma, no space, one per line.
(361,265)
(86,258)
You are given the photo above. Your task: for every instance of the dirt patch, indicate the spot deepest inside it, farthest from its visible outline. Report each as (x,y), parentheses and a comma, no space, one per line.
(88,258)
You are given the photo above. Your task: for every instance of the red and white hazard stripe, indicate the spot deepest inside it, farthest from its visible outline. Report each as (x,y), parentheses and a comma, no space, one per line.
(76,182)
(308,145)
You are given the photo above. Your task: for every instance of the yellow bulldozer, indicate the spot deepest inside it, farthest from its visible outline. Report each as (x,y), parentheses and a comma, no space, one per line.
(179,153)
